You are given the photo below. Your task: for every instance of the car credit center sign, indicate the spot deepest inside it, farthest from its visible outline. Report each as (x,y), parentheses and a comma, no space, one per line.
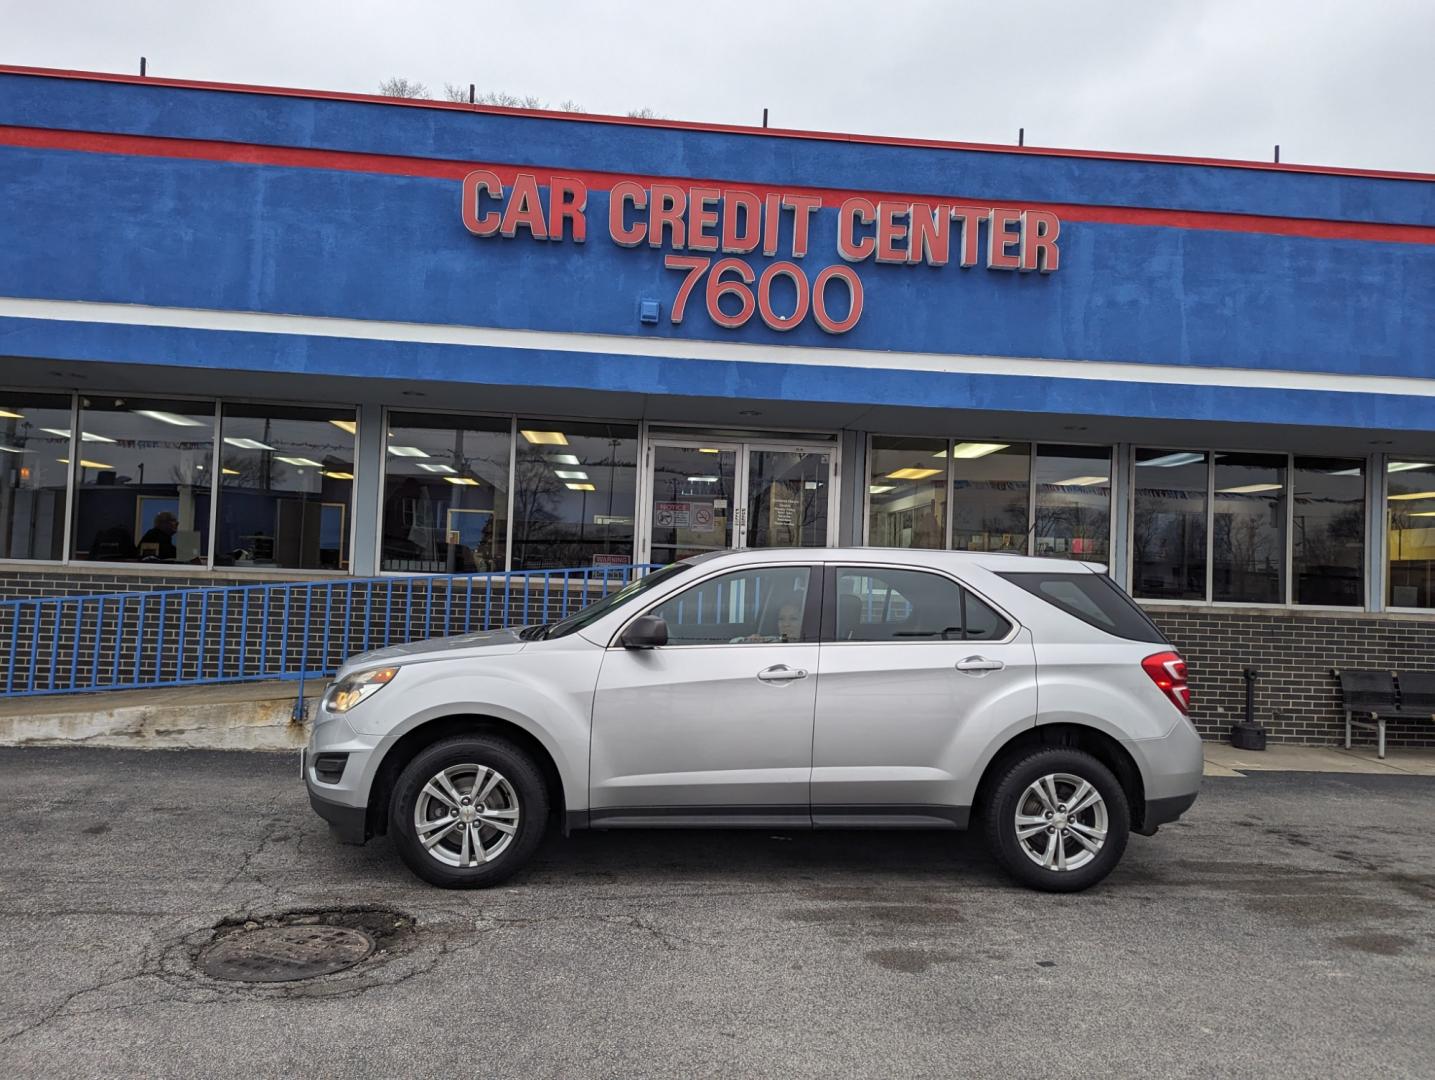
(719,224)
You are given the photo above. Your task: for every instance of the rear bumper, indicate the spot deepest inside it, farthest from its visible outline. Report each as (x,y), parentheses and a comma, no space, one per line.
(348,823)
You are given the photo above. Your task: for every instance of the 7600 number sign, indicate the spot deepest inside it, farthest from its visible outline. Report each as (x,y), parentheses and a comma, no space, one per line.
(733,277)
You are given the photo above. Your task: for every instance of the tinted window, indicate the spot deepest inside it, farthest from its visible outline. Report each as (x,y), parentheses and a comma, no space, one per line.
(909,605)
(1094,600)
(746,607)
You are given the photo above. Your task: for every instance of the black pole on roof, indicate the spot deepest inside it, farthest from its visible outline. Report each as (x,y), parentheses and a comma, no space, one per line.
(764,118)
(1278,153)
(1021,136)
(471,96)
(142,67)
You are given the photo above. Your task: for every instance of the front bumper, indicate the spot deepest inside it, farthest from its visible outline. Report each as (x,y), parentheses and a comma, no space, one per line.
(348,823)
(344,804)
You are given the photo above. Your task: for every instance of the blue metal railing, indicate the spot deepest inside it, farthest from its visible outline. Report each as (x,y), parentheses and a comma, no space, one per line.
(250,633)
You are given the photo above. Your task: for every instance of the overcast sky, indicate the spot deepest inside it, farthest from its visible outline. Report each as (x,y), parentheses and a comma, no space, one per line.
(1335,82)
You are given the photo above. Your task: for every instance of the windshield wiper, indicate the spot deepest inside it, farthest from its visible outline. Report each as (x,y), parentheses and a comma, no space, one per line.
(534,633)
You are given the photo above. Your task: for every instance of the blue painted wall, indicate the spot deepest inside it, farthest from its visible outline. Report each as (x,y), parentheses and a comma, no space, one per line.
(119,228)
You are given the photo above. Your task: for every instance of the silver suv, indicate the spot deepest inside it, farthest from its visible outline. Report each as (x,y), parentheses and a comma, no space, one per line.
(777,690)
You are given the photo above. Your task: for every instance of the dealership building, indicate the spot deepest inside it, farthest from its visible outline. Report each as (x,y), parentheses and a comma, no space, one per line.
(257,334)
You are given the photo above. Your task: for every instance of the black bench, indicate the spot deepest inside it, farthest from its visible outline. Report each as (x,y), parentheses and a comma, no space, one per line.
(1373,697)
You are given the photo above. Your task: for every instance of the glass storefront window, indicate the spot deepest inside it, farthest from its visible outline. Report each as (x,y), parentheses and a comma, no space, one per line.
(34,447)
(1248,542)
(990,484)
(574,500)
(286,487)
(1073,502)
(446,493)
(1328,531)
(907,492)
(1168,535)
(1410,533)
(142,480)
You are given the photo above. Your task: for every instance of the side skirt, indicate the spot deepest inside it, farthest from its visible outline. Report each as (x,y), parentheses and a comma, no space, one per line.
(855,816)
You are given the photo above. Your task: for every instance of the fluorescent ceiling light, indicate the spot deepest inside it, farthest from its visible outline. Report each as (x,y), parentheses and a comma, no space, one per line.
(1413,495)
(230,472)
(339,475)
(170,418)
(8,415)
(1170,461)
(580,487)
(811,485)
(1248,489)
(407,451)
(1423,513)
(708,450)
(912,473)
(878,489)
(85,436)
(702,479)
(1346,472)
(11,449)
(462,481)
(248,444)
(1083,481)
(977,449)
(1394,466)
(429,467)
(545,438)
(570,474)
(302,462)
(564,459)
(86,464)
(351,426)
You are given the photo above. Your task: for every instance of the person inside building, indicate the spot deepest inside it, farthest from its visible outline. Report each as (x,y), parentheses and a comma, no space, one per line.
(158,543)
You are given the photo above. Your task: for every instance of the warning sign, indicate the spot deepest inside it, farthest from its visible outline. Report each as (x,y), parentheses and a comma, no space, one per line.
(701,517)
(672,515)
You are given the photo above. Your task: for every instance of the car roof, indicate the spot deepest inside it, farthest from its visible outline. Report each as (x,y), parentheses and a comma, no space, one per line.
(998,562)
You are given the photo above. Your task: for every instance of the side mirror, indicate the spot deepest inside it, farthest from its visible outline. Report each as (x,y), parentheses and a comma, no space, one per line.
(646,632)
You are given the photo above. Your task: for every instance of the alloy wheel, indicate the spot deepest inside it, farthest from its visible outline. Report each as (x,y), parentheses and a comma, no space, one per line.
(1061,822)
(466,815)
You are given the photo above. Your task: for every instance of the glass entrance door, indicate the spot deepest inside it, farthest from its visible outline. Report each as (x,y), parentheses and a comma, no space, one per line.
(712,496)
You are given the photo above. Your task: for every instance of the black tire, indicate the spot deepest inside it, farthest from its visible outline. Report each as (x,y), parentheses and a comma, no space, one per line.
(525,789)
(1010,788)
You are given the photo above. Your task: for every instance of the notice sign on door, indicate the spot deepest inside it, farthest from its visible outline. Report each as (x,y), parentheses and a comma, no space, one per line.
(701,517)
(672,515)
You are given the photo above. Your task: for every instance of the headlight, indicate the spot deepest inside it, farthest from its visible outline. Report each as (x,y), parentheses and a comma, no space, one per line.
(348,692)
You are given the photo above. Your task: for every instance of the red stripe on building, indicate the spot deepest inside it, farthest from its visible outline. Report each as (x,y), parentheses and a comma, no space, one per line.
(394,165)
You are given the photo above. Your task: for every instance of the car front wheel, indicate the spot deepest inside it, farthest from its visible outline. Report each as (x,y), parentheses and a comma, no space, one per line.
(1057,820)
(468,812)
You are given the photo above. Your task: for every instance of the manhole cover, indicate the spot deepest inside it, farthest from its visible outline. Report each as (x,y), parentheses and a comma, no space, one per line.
(285,953)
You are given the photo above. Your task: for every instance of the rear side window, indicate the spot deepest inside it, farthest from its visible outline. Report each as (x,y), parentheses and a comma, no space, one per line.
(1094,599)
(910,605)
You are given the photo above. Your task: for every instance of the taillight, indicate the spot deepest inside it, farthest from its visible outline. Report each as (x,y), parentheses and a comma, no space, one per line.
(1168,671)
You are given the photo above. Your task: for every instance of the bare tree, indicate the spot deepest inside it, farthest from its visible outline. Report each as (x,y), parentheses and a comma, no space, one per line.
(403,88)
(644,113)
(571,106)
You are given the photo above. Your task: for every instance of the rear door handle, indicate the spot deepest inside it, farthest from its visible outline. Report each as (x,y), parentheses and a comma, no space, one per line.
(781,673)
(979,664)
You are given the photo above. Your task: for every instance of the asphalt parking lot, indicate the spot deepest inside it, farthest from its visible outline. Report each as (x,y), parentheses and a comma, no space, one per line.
(1285,927)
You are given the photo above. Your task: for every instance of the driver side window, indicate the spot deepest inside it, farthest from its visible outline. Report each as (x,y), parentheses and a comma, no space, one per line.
(759,606)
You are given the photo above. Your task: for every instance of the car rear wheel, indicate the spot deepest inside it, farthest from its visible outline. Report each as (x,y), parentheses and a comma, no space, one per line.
(1057,820)
(468,812)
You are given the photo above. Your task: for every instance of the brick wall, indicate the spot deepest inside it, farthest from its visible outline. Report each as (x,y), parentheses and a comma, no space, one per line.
(1297,697)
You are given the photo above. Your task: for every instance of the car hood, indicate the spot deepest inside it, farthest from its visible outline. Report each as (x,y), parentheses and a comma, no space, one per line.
(484,643)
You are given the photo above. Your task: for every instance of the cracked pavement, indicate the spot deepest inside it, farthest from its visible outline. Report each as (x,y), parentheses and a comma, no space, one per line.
(1285,927)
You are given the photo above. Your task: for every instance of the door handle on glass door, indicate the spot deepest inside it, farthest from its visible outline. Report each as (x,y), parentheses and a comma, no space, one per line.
(781,673)
(979,664)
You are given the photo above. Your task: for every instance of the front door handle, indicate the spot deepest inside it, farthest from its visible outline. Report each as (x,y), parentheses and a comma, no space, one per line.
(979,664)
(781,673)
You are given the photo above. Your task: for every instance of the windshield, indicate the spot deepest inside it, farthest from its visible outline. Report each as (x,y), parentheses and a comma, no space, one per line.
(596,611)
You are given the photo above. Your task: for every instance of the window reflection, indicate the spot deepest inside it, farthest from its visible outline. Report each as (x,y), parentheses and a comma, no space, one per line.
(446,493)
(990,482)
(286,487)
(1410,522)
(1073,502)
(142,480)
(34,444)
(1328,531)
(574,500)
(1168,536)
(1248,544)
(907,493)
